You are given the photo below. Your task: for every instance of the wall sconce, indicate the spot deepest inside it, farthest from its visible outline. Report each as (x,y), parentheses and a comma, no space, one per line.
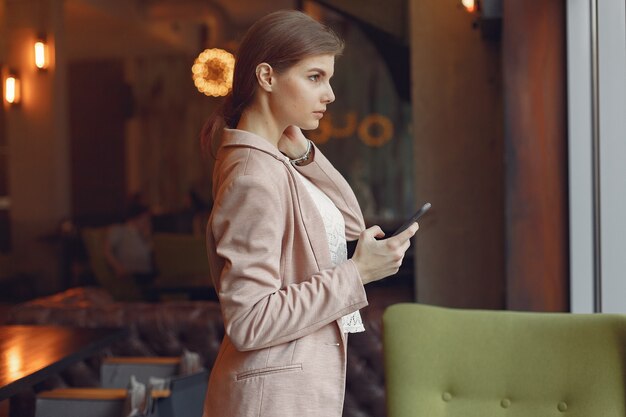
(488,17)
(470,5)
(12,88)
(42,58)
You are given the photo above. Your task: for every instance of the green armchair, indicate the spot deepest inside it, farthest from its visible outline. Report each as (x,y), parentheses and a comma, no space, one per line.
(180,259)
(473,363)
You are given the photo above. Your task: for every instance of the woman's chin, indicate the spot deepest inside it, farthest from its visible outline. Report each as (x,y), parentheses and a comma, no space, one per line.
(312,125)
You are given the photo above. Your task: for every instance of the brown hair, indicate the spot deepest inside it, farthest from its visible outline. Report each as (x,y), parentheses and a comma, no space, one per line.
(280,39)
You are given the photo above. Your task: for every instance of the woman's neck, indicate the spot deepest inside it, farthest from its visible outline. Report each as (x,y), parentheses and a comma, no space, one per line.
(259,120)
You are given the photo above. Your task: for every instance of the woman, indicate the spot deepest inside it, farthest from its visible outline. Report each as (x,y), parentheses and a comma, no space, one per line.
(277,231)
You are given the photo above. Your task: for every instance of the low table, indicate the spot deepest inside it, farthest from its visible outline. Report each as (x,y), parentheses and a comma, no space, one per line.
(30,354)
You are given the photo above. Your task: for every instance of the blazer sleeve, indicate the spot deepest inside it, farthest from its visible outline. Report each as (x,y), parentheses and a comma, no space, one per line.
(323,174)
(248,225)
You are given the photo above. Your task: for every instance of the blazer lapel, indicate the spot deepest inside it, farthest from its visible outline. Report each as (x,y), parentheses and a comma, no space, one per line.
(313,222)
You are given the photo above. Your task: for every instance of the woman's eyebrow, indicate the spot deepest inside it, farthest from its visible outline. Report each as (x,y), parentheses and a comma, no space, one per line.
(321,71)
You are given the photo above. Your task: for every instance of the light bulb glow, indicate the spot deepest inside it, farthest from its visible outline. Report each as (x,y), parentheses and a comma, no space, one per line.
(213,71)
(12,89)
(41,54)
(470,5)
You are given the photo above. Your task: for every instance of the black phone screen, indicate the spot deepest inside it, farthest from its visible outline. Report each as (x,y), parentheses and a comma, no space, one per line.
(413,219)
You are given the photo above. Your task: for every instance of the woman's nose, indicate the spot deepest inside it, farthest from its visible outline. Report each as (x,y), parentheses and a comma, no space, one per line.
(329,96)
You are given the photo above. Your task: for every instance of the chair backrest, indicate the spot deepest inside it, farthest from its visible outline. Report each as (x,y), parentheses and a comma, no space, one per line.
(121,290)
(186,396)
(472,363)
(92,402)
(57,407)
(187,392)
(115,372)
(80,402)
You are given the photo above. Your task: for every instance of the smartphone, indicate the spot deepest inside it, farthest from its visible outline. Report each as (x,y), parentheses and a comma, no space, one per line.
(413,219)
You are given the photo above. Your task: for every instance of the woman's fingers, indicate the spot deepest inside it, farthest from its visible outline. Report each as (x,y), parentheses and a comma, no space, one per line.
(292,142)
(407,234)
(377,259)
(373,232)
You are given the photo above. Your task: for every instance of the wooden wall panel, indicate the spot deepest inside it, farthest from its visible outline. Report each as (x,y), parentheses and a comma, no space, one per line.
(458,145)
(536,150)
(98,99)
(5,221)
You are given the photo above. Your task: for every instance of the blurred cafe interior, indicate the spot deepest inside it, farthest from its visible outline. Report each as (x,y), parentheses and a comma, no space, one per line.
(506,115)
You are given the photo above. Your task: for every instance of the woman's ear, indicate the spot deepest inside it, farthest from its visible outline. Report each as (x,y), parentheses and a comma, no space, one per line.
(265,76)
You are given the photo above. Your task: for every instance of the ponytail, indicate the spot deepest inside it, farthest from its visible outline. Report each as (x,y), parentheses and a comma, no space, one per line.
(220,118)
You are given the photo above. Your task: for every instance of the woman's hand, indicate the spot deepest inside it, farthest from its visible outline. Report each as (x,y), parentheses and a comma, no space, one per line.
(377,259)
(292,143)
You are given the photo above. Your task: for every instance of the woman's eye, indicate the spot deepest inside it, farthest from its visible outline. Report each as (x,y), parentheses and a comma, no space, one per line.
(314,77)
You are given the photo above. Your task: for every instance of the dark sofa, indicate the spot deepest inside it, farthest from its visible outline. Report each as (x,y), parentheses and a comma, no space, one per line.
(165,328)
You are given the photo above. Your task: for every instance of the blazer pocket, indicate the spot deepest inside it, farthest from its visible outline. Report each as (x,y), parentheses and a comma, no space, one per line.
(270,370)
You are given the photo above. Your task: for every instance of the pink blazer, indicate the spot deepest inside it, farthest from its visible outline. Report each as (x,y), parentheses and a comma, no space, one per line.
(281,298)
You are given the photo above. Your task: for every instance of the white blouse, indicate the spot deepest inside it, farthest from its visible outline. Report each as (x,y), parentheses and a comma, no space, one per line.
(336,233)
